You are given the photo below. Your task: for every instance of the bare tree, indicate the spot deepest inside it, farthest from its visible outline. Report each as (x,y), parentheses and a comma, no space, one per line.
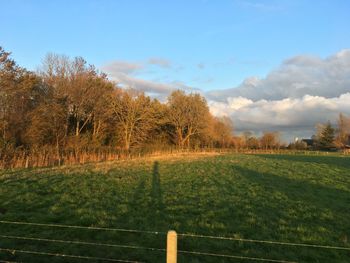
(343,131)
(85,90)
(250,141)
(20,92)
(222,131)
(188,114)
(270,140)
(135,116)
(48,125)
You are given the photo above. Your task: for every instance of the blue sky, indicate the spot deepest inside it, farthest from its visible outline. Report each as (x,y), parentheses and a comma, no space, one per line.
(230,39)
(208,45)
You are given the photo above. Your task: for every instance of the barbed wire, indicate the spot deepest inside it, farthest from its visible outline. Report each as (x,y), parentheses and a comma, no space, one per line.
(14,251)
(234,256)
(263,241)
(84,227)
(78,242)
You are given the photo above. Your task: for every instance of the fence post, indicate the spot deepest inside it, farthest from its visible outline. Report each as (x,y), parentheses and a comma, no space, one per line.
(171,247)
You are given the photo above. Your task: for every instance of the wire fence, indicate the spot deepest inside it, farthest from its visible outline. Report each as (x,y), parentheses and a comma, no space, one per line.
(78,242)
(83,227)
(234,256)
(3,261)
(15,251)
(265,241)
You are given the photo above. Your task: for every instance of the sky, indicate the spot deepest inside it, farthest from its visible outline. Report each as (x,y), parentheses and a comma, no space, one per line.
(269,65)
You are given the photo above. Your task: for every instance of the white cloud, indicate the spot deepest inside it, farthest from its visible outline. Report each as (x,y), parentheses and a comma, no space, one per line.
(141,84)
(161,62)
(123,67)
(303,91)
(128,67)
(295,78)
(126,74)
(289,115)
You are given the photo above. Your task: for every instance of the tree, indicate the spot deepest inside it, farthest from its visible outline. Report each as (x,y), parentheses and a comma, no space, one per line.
(250,141)
(326,137)
(160,134)
(298,145)
(270,140)
(85,90)
(20,92)
(222,131)
(134,115)
(48,125)
(83,93)
(188,115)
(343,131)
(238,142)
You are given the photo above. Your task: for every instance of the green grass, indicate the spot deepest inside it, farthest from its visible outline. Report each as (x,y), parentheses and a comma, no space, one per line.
(288,198)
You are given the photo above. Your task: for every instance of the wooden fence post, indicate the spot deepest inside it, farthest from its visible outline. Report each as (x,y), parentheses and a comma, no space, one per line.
(171,247)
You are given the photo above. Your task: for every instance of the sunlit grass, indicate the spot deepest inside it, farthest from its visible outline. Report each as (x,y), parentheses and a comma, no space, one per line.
(289,198)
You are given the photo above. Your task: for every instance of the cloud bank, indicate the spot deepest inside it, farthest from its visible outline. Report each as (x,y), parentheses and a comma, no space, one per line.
(296,77)
(283,115)
(126,73)
(303,91)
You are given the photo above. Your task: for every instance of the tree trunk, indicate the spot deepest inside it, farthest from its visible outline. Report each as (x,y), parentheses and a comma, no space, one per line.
(180,140)
(58,150)
(127,139)
(77,129)
(127,145)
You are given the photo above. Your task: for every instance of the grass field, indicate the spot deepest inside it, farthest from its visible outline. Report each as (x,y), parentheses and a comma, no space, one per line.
(287,198)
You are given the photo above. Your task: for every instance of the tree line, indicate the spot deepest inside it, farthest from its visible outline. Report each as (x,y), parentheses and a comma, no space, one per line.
(68,107)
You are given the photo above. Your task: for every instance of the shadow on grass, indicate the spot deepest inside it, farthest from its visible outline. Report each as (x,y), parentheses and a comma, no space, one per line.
(147,207)
(303,191)
(285,209)
(156,192)
(328,160)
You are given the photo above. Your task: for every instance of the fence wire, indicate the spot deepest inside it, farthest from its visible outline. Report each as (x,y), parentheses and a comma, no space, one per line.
(189,235)
(264,241)
(14,251)
(84,227)
(234,256)
(78,242)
